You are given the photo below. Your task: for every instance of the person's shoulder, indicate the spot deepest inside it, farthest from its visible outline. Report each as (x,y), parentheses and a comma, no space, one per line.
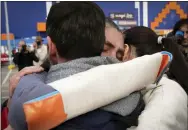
(29,81)
(166,81)
(34,77)
(172,86)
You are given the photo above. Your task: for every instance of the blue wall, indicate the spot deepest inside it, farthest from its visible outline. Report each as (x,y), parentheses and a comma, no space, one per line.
(23,16)
(109,7)
(156,7)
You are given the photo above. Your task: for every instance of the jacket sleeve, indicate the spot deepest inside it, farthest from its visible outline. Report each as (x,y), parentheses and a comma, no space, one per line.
(34,57)
(29,87)
(179,66)
(16,58)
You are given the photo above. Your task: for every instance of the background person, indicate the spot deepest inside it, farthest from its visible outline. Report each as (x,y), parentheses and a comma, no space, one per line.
(182,25)
(24,57)
(40,51)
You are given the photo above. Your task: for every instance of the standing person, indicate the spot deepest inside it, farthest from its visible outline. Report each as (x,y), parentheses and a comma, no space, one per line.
(13,52)
(24,58)
(40,51)
(73,38)
(182,25)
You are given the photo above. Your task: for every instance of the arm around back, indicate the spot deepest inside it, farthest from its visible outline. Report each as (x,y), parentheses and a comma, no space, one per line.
(29,87)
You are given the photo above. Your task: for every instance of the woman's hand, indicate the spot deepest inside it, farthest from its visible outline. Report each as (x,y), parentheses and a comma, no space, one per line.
(14,80)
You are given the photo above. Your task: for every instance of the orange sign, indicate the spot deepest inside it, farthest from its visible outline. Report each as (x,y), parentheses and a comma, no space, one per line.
(41,26)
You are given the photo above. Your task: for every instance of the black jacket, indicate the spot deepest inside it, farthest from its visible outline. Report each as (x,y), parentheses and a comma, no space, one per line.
(24,59)
(178,70)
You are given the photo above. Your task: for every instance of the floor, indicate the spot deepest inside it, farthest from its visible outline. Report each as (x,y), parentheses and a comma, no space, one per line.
(5,75)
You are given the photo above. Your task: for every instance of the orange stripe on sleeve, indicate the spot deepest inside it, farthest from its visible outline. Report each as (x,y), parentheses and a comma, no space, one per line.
(164,63)
(45,114)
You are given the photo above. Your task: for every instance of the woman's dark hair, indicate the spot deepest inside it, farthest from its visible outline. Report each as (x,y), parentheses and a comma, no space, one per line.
(145,41)
(179,24)
(77,29)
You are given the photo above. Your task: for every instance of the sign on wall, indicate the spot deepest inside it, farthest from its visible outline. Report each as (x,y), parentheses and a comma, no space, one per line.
(122,16)
(124,20)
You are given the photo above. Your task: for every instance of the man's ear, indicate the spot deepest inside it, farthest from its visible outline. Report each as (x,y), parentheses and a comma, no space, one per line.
(126,53)
(52,50)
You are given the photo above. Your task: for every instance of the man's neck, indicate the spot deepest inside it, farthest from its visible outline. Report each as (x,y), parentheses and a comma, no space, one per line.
(61,60)
(67,68)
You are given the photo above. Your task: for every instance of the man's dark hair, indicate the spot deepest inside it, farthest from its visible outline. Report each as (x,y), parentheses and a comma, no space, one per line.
(179,24)
(143,39)
(77,29)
